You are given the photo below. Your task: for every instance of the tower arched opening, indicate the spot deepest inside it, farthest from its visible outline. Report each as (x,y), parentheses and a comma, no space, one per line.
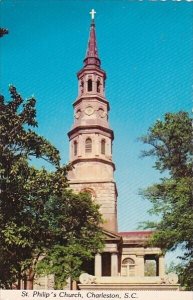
(90,85)
(88,145)
(103,146)
(75,148)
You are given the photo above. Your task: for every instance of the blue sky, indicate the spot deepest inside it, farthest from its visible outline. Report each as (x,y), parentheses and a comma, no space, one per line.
(146,50)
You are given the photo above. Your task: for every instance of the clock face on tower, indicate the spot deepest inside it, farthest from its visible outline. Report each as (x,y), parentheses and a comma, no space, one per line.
(89,110)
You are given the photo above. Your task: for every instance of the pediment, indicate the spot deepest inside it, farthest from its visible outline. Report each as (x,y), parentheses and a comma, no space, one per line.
(112,236)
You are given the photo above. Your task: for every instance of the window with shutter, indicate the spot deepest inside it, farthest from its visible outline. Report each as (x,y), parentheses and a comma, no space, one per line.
(88,145)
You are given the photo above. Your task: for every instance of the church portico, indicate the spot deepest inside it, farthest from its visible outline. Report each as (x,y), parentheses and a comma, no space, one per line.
(123,263)
(109,259)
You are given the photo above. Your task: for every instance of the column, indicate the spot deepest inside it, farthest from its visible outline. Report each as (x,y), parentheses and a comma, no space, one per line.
(98,265)
(161,266)
(97,144)
(114,264)
(80,145)
(94,84)
(140,262)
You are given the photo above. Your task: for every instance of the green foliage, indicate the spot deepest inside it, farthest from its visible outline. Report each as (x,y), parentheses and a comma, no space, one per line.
(150,268)
(185,273)
(172,198)
(73,241)
(39,215)
(171,144)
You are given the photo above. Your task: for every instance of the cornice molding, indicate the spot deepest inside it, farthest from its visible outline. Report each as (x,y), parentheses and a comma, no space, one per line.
(91,97)
(90,127)
(91,159)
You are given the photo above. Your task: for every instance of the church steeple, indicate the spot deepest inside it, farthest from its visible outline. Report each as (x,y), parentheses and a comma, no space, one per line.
(92,52)
(91,137)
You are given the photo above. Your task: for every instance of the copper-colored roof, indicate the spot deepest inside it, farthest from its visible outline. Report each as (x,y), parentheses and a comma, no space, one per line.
(135,233)
(138,238)
(92,52)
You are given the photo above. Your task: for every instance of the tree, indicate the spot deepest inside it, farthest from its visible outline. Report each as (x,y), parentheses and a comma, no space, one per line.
(80,238)
(171,145)
(38,213)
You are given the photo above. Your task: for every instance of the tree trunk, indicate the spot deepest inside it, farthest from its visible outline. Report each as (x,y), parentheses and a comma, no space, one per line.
(19,283)
(30,280)
(29,285)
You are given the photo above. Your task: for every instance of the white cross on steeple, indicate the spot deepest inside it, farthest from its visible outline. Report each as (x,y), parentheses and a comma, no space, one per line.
(92,12)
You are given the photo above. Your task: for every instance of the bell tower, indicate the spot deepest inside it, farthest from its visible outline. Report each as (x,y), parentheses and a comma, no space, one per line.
(91,137)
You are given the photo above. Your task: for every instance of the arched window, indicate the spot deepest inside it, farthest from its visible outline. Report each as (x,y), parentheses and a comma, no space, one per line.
(128,267)
(103,146)
(75,148)
(89,85)
(98,86)
(91,192)
(88,145)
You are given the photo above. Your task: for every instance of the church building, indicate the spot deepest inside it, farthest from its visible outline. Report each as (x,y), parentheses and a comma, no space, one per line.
(123,262)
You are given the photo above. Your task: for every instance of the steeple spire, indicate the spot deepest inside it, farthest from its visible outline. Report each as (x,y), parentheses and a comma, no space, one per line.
(92,53)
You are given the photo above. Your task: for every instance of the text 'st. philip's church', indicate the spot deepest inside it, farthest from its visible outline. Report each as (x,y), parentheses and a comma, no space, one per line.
(124,260)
